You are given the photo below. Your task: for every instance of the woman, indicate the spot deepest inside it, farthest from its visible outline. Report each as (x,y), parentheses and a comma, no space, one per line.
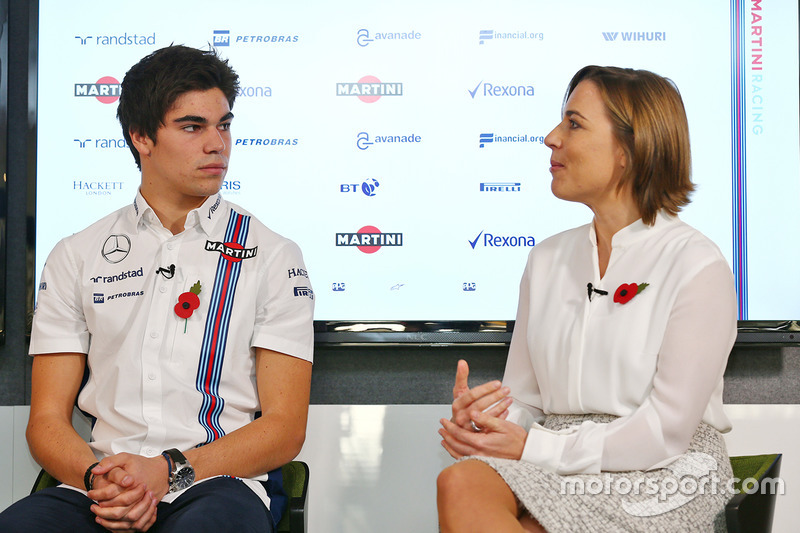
(611,414)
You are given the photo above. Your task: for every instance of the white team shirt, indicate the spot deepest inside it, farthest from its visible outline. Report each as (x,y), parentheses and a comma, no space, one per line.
(656,361)
(159,381)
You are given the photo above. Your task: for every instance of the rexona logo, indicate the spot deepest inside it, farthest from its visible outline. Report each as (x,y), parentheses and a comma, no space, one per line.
(363,37)
(487,138)
(368,187)
(502,241)
(369,239)
(106,90)
(363,140)
(635,36)
(369,89)
(491,89)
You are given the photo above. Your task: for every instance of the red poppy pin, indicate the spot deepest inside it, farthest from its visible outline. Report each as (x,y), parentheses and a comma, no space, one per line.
(627,291)
(188,302)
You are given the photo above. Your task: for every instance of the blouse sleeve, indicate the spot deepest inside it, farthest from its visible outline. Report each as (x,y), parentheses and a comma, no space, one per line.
(700,333)
(519,374)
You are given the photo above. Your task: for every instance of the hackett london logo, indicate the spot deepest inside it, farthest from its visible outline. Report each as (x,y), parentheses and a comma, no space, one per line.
(232,251)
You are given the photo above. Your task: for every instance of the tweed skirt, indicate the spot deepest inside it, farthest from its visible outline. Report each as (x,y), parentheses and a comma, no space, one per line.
(687,495)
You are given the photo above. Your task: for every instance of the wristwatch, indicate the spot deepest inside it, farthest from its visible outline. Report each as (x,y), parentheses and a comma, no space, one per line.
(181,475)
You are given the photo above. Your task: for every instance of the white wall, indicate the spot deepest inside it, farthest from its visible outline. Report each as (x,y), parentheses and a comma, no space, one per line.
(374,467)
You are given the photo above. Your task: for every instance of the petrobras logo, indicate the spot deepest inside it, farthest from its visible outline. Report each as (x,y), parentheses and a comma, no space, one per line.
(363,37)
(500,90)
(500,186)
(368,187)
(106,90)
(220,38)
(469,286)
(97,188)
(122,39)
(304,291)
(369,89)
(634,36)
(266,142)
(125,274)
(363,141)
(100,298)
(101,144)
(490,240)
(369,239)
(485,36)
(490,138)
(338,286)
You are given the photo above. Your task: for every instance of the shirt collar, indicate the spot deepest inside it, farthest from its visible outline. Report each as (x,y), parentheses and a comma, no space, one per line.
(206,215)
(636,231)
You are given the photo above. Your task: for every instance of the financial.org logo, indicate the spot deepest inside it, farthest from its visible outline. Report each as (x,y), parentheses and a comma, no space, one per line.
(369,239)
(635,36)
(363,36)
(491,240)
(106,90)
(491,89)
(489,138)
(369,89)
(491,35)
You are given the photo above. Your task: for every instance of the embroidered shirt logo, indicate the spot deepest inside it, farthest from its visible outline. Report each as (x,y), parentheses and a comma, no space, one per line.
(232,251)
(116,248)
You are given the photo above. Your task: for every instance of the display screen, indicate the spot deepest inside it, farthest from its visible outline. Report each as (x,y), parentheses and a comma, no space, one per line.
(400,144)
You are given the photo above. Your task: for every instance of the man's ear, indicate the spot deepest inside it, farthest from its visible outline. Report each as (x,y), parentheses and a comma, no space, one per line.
(142,143)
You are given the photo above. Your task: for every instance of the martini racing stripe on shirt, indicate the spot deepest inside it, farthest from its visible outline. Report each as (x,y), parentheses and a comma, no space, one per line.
(215,336)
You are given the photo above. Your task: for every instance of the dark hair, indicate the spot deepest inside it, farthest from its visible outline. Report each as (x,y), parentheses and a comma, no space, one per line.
(650,125)
(152,86)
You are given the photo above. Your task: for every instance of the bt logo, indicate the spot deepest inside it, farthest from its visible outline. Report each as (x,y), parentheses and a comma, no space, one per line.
(367,187)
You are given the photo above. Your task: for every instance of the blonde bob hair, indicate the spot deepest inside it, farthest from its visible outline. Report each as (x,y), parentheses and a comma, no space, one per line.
(650,125)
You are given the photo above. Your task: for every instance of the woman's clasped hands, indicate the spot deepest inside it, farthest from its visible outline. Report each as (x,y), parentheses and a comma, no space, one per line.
(479,425)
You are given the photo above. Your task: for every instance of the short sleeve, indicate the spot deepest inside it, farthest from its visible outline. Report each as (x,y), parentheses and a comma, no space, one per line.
(285,306)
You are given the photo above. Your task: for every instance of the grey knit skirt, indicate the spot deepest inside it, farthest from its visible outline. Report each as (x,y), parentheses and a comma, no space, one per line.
(688,495)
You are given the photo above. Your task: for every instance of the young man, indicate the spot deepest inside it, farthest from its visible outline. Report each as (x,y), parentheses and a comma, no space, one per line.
(184,316)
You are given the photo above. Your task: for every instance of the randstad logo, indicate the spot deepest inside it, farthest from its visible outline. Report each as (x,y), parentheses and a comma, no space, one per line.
(490,89)
(363,36)
(101,144)
(363,140)
(369,89)
(123,39)
(635,36)
(501,241)
(106,90)
(490,138)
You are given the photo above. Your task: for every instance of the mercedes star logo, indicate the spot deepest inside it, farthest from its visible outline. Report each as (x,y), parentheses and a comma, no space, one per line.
(116,248)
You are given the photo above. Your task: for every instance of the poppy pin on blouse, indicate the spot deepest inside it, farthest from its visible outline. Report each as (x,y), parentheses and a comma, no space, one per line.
(188,302)
(627,291)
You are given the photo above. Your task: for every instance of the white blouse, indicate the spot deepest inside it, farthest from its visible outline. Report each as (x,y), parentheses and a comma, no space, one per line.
(656,361)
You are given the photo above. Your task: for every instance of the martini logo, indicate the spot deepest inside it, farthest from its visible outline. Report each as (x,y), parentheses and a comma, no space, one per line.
(369,89)
(369,239)
(231,251)
(106,90)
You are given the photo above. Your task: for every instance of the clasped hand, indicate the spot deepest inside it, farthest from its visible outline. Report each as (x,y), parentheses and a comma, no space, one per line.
(127,489)
(485,406)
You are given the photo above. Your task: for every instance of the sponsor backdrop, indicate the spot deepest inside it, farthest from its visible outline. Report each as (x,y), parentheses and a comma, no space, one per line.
(401,144)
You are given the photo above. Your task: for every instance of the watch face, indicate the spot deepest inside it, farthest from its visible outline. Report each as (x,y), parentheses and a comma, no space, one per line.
(183,479)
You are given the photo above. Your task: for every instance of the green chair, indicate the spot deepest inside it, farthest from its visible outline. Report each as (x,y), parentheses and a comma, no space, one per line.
(753,512)
(295,483)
